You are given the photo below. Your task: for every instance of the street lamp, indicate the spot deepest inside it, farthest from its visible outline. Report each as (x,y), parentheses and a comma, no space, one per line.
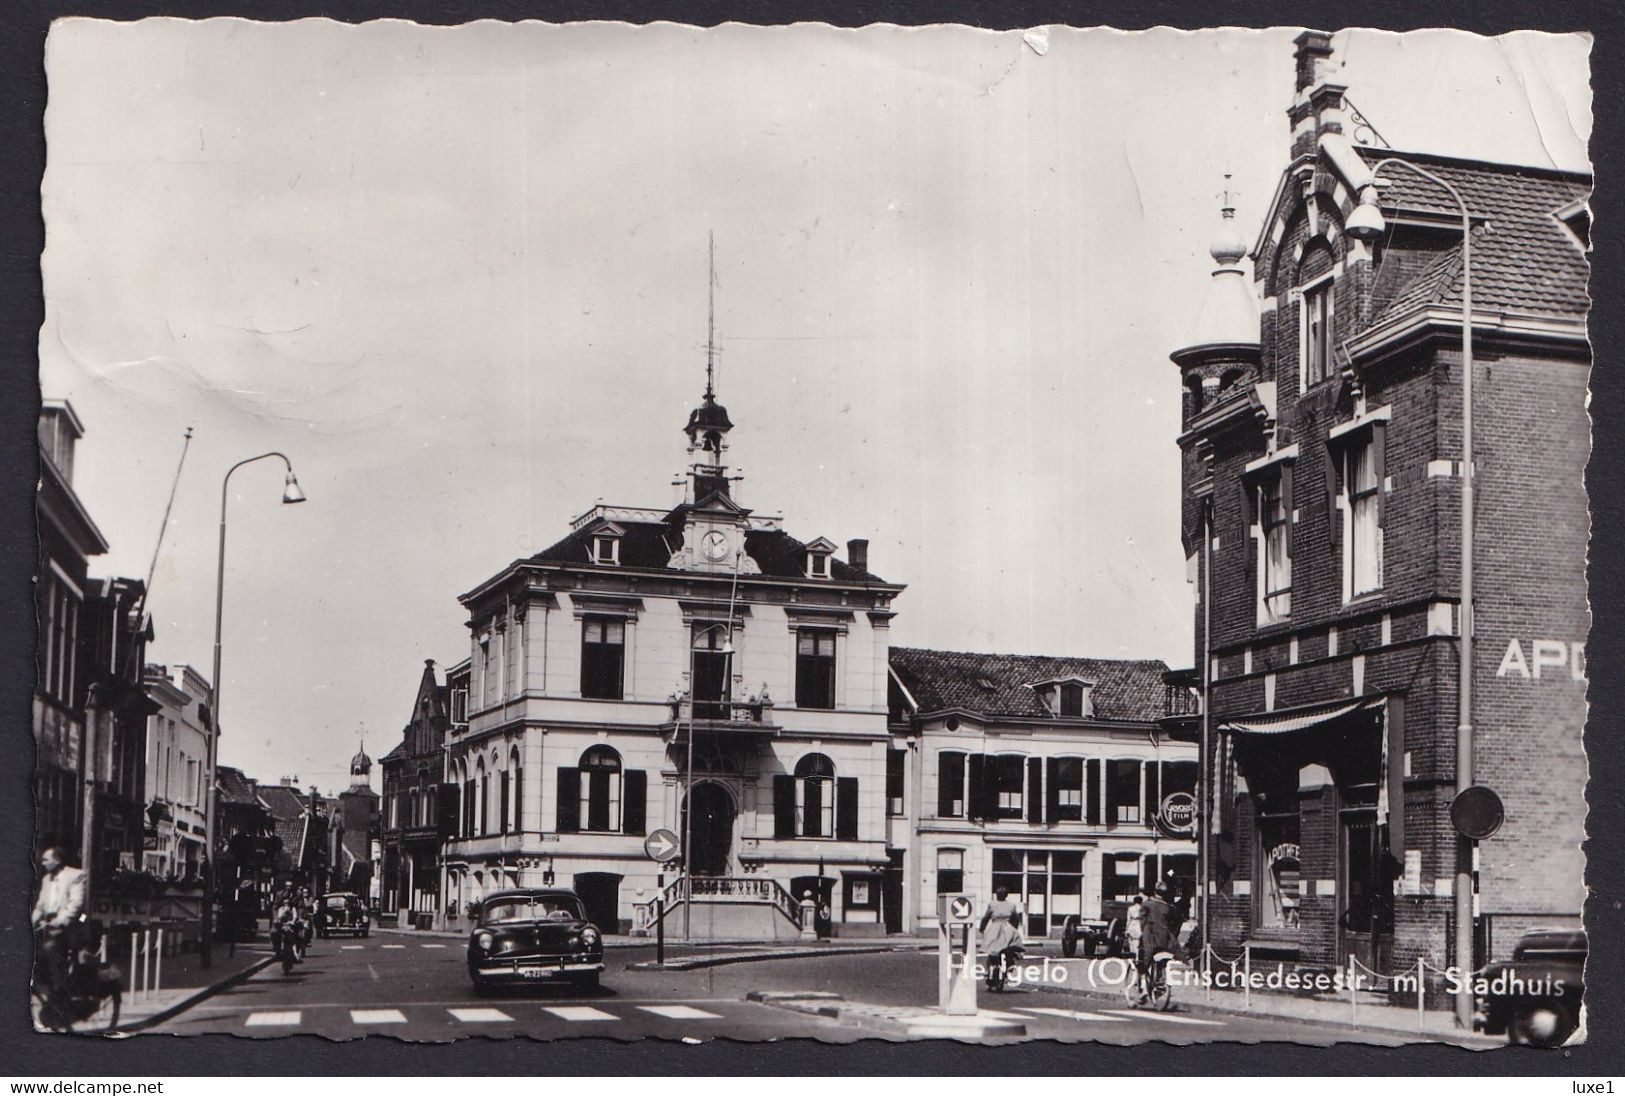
(290,494)
(1367,224)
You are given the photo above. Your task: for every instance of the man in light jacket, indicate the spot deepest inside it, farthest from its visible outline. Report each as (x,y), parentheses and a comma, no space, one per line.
(56,911)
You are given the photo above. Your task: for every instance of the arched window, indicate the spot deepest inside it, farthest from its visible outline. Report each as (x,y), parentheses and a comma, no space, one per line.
(422,813)
(815,796)
(601,790)
(482,816)
(518,791)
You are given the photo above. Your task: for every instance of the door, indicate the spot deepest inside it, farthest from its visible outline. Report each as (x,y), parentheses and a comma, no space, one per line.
(713,828)
(1365,898)
(600,894)
(891,891)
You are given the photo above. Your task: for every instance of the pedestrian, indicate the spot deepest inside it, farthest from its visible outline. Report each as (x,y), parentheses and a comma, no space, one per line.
(1134,924)
(1000,927)
(57,911)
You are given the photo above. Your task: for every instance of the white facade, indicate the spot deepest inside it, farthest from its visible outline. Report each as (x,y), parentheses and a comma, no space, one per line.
(177,763)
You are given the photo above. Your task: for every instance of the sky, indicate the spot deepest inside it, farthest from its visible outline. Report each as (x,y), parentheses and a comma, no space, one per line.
(458,275)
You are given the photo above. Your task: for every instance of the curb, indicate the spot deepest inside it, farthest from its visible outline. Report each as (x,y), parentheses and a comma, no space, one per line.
(1309,1021)
(201,995)
(756,957)
(833,1006)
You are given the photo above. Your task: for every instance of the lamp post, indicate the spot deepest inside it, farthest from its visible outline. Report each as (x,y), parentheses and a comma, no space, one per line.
(290,494)
(1366,223)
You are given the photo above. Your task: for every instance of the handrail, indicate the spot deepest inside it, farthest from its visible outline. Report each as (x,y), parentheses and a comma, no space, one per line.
(684,888)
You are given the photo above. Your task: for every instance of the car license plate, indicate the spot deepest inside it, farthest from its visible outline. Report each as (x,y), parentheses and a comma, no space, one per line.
(535,972)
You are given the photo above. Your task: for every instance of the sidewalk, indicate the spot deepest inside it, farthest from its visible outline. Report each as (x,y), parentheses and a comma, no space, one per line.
(914,1021)
(1367,1012)
(184,981)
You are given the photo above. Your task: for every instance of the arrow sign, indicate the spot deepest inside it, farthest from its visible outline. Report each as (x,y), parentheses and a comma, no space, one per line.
(960,909)
(661,845)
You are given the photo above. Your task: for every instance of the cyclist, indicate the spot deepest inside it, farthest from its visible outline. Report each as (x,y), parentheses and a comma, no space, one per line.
(285,920)
(56,913)
(1157,935)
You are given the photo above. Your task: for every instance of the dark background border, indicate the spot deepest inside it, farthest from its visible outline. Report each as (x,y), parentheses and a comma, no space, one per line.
(22,161)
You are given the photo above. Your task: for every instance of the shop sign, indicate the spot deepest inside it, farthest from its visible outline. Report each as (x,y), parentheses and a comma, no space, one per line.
(1547,659)
(1176,817)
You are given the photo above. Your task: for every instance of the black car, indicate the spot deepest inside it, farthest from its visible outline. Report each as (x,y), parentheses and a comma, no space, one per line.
(535,934)
(1535,997)
(339,911)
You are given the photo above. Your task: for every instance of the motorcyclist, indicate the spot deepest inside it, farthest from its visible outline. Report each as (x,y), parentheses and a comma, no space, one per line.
(285,925)
(1000,928)
(306,907)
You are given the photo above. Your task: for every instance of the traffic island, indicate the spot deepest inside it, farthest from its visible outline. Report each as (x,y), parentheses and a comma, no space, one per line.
(904,1020)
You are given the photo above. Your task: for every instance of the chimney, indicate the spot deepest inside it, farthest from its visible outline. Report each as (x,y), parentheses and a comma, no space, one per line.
(1317,102)
(857,554)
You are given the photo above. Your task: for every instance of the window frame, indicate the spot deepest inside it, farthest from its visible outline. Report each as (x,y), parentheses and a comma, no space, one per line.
(959,853)
(595,653)
(612,770)
(1316,352)
(1358,504)
(824,783)
(961,799)
(1271,504)
(811,667)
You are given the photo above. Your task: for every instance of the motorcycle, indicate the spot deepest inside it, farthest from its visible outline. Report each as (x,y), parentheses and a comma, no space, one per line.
(290,948)
(1000,964)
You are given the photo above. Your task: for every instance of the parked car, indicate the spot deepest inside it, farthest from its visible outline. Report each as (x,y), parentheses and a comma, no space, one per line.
(1096,935)
(534,934)
(342,912)
(1535,997)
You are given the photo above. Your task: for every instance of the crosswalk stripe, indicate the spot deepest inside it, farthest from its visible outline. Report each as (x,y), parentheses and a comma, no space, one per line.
(1074,1014)
(431,945)
(993,1014)
(680,1012)
(377,1016)
(351,947)
(480,1015)
(577,1013)
(393,945)
(271,1019)
(1165,1017)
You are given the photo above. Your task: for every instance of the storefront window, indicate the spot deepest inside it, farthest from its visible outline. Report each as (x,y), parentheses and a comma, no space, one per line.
(1278,898)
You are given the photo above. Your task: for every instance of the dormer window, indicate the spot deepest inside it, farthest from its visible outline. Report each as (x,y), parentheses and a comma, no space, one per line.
(606,545)
(1068,698)
(818,555)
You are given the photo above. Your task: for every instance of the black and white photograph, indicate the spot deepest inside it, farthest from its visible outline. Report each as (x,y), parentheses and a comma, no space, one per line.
(557,531)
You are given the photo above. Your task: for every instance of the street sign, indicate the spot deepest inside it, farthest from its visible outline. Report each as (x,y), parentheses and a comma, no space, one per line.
(662,846)
(1477,813)
(957,909)
(1177,815)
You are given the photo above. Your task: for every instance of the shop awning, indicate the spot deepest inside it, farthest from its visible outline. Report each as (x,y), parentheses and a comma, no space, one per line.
(1297,719)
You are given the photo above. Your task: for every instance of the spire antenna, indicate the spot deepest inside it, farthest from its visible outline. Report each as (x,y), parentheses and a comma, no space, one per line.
(711,321)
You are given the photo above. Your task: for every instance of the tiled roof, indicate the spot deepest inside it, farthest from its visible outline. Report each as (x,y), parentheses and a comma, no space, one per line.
(649,545)
(234,785)
(1524,261)
(1130,690)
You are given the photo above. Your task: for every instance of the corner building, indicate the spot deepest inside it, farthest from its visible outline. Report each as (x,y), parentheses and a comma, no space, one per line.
(1322,441)
(658,660)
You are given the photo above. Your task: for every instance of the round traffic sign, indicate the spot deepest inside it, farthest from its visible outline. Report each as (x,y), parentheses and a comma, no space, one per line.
(1477,813)
(662,845)
(960,909)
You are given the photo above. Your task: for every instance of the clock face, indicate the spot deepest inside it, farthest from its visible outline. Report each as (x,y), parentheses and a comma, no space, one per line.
(714,546)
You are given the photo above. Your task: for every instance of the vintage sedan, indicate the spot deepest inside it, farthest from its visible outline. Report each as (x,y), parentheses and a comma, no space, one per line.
(1535,997)
(539,934)
(341,912)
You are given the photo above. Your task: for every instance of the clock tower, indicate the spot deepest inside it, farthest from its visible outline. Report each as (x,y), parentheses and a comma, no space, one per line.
(714,524)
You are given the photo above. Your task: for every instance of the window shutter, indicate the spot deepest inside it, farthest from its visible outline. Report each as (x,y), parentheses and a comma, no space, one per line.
(569,815)
(1329,471)
(450,806)
(950,783)
(784,806)
(1153,790)
(519,800)
(1379,464)
(1092,798)
(1052,801)
(634,796)
(502,826)
(1035,789)
(976,797)
(846,808)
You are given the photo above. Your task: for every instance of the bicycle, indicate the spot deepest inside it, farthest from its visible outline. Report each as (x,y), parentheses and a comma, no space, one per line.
(89,998)
(1149,985)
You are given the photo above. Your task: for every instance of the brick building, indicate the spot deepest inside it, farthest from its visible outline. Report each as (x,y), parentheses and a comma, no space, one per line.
(1041,774)
(417,806)
(1321,451)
